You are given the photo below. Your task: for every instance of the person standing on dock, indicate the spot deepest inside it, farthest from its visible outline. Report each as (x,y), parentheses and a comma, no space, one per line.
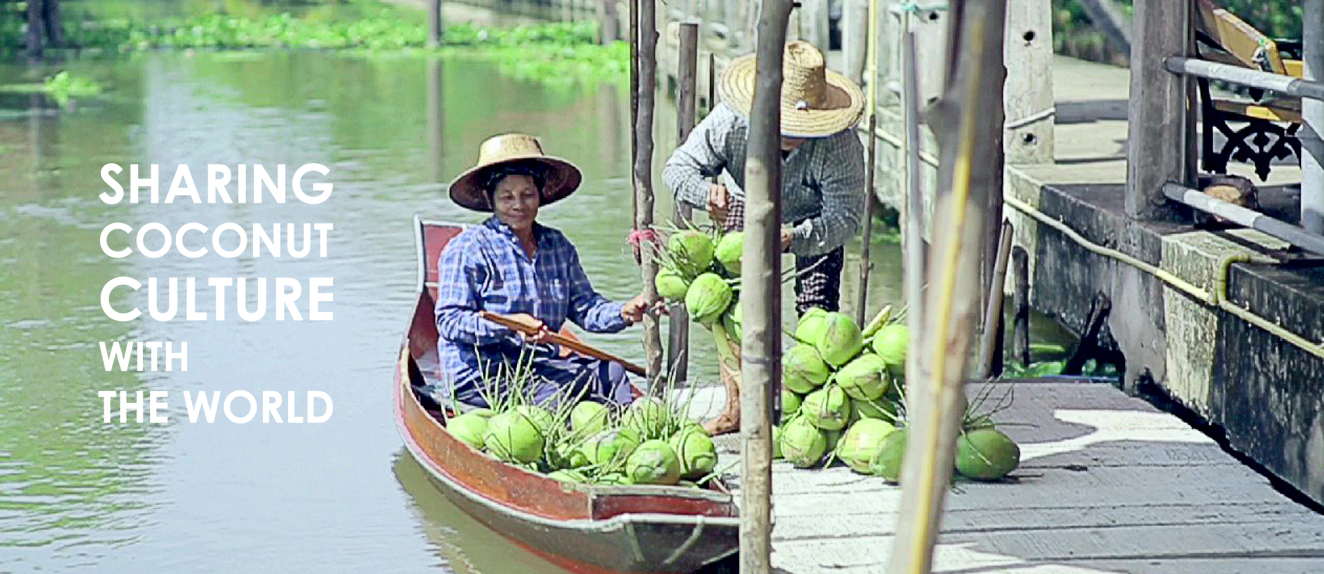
(823,176)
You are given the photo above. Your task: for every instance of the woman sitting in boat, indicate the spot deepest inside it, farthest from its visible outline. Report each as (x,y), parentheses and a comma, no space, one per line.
(511,265)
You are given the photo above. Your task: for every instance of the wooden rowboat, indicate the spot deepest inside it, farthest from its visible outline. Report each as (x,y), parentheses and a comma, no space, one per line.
(583,528)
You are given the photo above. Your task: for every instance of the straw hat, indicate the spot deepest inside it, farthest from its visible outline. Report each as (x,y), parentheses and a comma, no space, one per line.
(816,102)
(560,178)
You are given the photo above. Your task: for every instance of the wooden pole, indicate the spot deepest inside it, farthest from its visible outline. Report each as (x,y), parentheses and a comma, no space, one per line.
(870,199)
(1312,112)
(36,28)
(966,121)
(687,76)
(1155,152)
(913,270)
(436,119)
(760,293)
(608,22)
(988,340)
(434,23)
(1020,304)
(1029,110)
(643,180)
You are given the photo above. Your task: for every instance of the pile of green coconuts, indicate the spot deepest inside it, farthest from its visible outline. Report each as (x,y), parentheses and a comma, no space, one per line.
(650,442)
(843,398)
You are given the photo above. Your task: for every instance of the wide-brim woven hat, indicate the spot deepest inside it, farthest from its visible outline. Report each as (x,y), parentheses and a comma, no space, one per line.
(816,102)
(561,178)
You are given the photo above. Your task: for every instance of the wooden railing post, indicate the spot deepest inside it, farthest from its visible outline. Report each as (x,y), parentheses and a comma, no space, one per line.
(1157,109)
(687,79)
(1312,111)
(1029,92)
(434,24)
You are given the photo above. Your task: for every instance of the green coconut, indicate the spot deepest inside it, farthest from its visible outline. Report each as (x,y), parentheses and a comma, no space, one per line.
(708,296)
(731,320)
(692,250)
(790,402)
(863,377)
(728,251)
(614,478)
(884,409)
(588,417)
(810,327)
(513,437)
(891,343)
(840,339)
(887,461)
(542,418)
(802,443)
(653,462)
(828,408)
(696,452)
(610,446)
(468,428)
(861,442)
(803,370)
(646,415)
(986,454)
(567,475)
(671,285)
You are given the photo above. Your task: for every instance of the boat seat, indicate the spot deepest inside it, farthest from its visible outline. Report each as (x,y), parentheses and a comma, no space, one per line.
(1270,123)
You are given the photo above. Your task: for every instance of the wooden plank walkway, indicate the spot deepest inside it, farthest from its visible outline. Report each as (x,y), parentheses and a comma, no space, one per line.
(1107,484)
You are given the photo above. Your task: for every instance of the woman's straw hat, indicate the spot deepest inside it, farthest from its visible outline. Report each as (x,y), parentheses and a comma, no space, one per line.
(560,178)
(816,102)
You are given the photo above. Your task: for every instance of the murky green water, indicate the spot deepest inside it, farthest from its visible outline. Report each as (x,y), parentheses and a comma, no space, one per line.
(77,495)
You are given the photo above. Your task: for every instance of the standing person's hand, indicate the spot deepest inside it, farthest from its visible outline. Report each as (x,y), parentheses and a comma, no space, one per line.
(719,202)
(787,235)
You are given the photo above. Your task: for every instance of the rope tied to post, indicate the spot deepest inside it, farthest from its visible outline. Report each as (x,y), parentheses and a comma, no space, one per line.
(636,239)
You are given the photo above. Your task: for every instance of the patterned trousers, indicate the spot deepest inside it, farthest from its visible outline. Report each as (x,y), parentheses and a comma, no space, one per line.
(817,277)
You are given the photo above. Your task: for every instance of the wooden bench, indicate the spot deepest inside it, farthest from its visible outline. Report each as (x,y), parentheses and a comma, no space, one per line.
(1270,121)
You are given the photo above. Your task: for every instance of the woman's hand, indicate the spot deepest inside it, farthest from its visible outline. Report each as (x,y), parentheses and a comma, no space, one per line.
(719,202)
(635,309)
(532,329)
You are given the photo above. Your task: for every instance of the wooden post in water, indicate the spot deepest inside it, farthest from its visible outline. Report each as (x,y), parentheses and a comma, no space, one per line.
(1155,130)
(1020,305)
(870,192)
(989,339)
(913,241)
(760,292)
(967,123)
(434,23)
(643,179)
(687,77)
(608,22)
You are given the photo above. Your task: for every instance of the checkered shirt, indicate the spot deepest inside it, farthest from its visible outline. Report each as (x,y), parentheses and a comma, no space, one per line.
(822,180)
(484,268)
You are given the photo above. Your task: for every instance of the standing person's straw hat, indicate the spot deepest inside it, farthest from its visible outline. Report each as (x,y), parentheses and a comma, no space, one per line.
(498,155)
(816,102)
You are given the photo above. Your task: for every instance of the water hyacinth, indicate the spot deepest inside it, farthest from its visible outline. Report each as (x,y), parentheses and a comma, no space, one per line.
(803,370)
(986,454)
(653,462)
(468,428)
(708,296)
(695,451)
(692,250)
(863,377)
(512,437)
(671,285)
(862,442)
(802,443)
(827,408)
(891,343)
(887,461)
(839,340)
(728,251)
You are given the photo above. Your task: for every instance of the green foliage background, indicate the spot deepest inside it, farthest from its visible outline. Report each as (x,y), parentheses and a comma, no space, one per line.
(1074,34)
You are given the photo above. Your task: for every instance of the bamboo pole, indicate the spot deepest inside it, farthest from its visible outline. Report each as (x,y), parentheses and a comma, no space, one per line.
(965,119)
(913,269)
(434,24)
(988,340)
(870,200)
(760,292)
(646,75)
(687,76)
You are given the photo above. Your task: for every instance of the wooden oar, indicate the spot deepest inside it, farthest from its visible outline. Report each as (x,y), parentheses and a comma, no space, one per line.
(566,342)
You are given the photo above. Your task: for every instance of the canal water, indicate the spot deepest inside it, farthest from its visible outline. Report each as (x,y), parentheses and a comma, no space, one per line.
(79,495)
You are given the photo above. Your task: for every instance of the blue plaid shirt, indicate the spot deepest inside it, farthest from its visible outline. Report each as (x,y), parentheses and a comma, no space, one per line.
(484,268)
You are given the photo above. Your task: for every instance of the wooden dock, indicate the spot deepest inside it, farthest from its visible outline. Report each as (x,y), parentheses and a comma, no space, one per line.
(1107,484)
